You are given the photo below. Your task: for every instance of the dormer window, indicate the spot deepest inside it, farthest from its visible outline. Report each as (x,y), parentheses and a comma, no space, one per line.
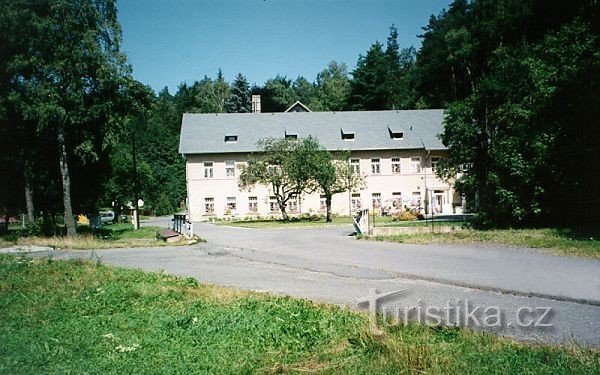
(395,133)
(291,135)
(231,138)
(347,135)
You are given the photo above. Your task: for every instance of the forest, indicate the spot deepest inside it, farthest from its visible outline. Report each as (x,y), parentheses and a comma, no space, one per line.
(519,80)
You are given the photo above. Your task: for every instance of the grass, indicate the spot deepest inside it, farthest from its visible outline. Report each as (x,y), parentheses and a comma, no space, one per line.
(559,241)
(314,221)
(111,236)
(84,317)
(387,221)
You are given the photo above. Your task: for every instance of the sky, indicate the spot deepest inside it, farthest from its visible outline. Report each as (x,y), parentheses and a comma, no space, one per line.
(169,42)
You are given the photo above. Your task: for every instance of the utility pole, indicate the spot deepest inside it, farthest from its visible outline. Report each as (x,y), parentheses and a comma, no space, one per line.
(136,191)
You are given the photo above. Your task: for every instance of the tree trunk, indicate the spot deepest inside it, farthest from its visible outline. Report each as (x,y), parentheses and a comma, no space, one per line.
(28,195)
(283,212)
(328,204)
(282,208)
(66,182)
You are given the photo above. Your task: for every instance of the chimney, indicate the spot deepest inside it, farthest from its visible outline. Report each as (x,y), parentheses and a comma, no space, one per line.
(255,103)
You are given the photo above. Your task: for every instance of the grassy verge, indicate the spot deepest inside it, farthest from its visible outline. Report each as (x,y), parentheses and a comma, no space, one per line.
(82,317)
(293,223)
(560,242)
(419,223)
(385,221)
(111,236)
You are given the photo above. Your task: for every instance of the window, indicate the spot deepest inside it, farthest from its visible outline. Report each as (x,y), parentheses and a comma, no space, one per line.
(355,202)
(355,166)
(395,133)
(434,162)
(208,169)
(322,203)
(397,199)
(396,165)
(230,168)
(415,164)
(209,206)
(273,206)
(252,204)
(416,199)
(231,204)
(290,135)
(376,199)
(273,169)
(231,138)
(465,167)
(347,135)
(292,204)
(375,166)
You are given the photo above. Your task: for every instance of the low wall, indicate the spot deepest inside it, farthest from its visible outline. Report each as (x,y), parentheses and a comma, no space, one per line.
(390,231)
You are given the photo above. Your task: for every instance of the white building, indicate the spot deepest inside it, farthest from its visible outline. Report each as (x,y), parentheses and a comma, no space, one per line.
(396,151)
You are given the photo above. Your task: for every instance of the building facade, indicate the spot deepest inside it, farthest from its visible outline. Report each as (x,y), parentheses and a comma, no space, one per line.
(395,151)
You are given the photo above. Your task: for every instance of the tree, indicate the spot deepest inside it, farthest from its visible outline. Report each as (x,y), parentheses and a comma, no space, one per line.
(277,94)
(211,96)
(239,100)
(383,79)
(327,173)
(305,92)
(276,167)
(520,103)
(368,85)
(68,80)
(333,88)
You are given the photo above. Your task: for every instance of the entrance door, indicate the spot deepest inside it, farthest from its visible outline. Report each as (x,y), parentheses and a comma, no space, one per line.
(439,200)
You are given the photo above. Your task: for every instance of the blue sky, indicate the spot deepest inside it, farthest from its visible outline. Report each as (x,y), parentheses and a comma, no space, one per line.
(169,42)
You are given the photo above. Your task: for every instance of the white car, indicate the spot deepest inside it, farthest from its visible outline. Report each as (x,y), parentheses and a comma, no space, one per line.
(107,217)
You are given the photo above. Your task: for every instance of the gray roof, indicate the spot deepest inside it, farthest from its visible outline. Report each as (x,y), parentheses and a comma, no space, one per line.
(205,133)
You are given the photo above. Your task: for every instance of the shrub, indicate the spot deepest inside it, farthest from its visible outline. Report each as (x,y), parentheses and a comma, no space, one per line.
(404,216)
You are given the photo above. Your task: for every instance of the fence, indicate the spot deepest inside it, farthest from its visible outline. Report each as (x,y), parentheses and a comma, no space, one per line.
(182,225)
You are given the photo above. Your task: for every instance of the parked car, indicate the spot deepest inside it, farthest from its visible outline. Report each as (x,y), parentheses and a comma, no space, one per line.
(107,217)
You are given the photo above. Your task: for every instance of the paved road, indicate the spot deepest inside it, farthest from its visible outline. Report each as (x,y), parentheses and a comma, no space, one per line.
(158,221)
(494,288)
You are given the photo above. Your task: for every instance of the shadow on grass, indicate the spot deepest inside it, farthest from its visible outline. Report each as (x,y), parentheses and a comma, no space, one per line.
(581,233)
(111,232)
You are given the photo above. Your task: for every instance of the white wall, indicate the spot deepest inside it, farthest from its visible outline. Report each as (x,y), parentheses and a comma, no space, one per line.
(221,186)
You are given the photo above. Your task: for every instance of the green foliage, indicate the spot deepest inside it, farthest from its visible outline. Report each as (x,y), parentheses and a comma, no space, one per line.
(211,96)
(292,167)
(333,88)
(383,79)
(521,103)
(277,95)
(239,100)
(327,173)
(66,88)
(275,167)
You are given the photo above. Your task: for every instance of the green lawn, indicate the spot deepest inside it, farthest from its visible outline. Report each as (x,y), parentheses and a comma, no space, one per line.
(385,221)
(293,223)
(110,236)
(84,317)
(559,241)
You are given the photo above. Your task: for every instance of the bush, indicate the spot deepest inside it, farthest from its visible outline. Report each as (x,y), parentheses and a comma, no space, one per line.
(404,216)
(164,206)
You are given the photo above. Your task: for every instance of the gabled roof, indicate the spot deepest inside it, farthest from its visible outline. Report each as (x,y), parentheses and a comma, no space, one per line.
(298,107)
(205,133)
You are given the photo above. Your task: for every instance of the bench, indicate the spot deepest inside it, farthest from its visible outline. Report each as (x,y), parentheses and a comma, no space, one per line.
(168,235)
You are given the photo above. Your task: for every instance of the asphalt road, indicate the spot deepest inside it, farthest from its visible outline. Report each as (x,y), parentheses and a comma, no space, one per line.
(521,293)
